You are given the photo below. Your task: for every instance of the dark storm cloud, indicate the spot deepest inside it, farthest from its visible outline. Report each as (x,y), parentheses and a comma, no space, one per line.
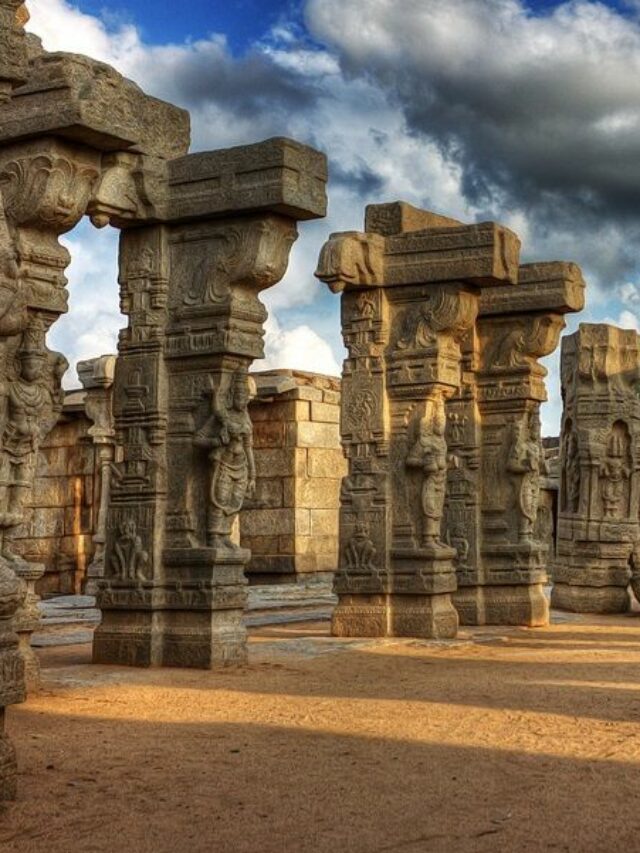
(541,114)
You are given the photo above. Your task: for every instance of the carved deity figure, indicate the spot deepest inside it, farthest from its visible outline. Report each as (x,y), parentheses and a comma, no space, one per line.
(572,474)
(228,436)
(28,403)
(129,560)
(360,552)
(429,453)
(614,474)
(526,460)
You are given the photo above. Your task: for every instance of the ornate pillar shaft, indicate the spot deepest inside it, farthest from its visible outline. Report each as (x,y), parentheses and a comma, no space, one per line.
(600,471)
(96,376)
(174,590)
(411,287)
(516,327)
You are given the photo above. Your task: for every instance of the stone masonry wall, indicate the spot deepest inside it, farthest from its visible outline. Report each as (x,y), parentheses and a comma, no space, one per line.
(59,519)
(291,525)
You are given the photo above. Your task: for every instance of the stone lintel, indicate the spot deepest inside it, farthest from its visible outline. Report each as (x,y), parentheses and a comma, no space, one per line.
(483,254)
(399,217)
(555,287)
(277,175)
(78,98)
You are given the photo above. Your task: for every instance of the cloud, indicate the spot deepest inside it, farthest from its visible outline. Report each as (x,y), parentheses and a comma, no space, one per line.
(541,113)
(300,347)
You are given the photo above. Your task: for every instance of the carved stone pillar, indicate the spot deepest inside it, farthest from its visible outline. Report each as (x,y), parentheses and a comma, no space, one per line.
(12,682)
(96,376)
(598,527)
(174,590)
(516,327)
(411,287)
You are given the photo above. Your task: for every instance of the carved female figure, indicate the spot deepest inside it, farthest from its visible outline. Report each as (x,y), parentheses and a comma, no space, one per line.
(614,474)
(228,436)
(429,453)
(526,459)
(25,401)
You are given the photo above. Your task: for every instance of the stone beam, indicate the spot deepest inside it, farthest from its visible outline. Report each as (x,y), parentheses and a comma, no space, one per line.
(83,100)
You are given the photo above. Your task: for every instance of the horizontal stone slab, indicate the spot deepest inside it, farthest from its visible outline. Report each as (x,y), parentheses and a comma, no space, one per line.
(556,287)
(486,253)
(278,175)
(81,99)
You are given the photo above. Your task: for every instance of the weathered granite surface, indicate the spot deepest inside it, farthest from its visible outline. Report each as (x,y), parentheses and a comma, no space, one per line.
(440,422)
(598,527)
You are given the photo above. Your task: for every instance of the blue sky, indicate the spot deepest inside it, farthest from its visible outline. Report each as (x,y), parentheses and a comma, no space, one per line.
(527,113)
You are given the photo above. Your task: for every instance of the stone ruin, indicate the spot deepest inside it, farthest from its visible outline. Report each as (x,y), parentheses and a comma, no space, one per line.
(202,236)
(446,498)
(598,529)
(442,388)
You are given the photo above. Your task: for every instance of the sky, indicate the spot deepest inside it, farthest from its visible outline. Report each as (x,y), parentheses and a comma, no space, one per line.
(527,113)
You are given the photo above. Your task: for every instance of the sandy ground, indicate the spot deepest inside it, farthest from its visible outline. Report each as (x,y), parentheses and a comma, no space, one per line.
(507,740)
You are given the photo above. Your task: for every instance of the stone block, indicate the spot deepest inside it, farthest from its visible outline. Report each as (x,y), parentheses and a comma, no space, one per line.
(325,413)
(318,435)
(289,491)
(323,522)
(277,175)
(302,522)
(268,494)
(332,397)
(47,521)
(52,492)
(271,462)
(268,434)
(78,520)
(318,544)
(326,462)
(79,98)
(318,493)
(279,411)
(304,392)
(287,544)
(268,522)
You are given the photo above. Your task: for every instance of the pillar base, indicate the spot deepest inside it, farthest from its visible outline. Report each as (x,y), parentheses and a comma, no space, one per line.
(520,604)
(590,599)
(423,616)
(195,621)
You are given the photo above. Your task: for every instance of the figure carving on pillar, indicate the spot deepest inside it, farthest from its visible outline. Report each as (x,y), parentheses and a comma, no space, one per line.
(526,460)
(28,402)
(429,453)
(360,552)
(614,474)
(228,436)
(572,474)
(130,560)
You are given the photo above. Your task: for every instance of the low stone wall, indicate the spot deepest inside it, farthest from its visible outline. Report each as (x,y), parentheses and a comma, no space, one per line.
(291,526)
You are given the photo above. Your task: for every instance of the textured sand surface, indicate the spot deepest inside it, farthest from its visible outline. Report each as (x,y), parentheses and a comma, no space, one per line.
(506,740)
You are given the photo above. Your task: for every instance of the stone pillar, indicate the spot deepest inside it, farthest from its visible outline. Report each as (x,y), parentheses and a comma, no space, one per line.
(503,580)
(411,287)
(12,683)
(96,376)
(599,470)
(174,590)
